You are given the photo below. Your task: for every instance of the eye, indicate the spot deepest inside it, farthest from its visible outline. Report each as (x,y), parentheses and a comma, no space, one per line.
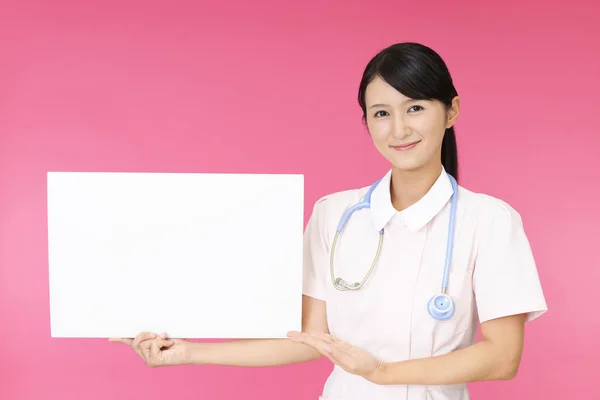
(415,109)
(380,114)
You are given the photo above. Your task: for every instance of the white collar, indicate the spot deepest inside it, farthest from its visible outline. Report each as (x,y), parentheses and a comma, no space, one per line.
(417,215)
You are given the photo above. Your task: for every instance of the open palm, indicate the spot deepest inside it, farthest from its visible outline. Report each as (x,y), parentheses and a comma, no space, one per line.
(350,358)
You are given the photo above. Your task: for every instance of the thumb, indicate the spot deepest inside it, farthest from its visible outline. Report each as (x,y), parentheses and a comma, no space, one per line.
(171,341)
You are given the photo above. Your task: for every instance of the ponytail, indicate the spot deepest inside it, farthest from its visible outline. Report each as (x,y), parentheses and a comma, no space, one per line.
(450,153)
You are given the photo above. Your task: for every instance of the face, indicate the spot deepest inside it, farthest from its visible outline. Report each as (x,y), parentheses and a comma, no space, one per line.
(407,132)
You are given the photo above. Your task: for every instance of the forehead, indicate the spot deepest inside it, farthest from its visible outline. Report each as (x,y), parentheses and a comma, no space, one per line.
(380,92)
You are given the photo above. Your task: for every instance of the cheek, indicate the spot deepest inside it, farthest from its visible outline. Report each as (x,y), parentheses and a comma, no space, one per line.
(379,132)
(431,131)
(423,126)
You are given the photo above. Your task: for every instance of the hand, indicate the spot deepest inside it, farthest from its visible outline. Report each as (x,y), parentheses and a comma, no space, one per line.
(157,350)
(350,358)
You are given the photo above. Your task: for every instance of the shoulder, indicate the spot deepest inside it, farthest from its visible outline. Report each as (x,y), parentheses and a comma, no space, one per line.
(486,205)
(327,211)
(488,212)
(331,206)
(340,199)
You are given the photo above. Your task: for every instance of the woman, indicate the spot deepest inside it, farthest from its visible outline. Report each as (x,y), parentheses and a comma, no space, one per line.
(390,336)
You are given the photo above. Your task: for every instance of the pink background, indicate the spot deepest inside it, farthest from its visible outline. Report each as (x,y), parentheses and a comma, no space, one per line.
(268,87)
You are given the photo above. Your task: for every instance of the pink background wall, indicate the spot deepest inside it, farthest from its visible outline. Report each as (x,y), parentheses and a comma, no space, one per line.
(268,87)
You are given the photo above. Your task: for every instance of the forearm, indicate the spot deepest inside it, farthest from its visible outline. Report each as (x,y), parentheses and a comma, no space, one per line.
(251,353)
(479,362)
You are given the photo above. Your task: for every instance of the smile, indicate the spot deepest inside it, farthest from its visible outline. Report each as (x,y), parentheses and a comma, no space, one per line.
(405,147)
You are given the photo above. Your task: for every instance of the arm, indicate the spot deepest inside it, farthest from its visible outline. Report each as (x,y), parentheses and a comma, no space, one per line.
(263,352)
(496,357)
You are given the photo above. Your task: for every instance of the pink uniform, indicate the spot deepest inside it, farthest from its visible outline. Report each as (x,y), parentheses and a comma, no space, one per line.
(493,274)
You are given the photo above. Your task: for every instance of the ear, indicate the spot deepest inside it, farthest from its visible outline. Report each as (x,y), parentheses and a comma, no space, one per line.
(453,111)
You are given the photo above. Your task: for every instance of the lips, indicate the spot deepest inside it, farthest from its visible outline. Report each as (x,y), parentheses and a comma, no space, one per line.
(406,146)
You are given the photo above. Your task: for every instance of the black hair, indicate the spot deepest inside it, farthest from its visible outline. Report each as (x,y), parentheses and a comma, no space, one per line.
(417,72)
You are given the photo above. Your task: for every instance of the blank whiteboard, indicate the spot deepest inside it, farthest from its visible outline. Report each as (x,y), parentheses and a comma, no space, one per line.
(192,255)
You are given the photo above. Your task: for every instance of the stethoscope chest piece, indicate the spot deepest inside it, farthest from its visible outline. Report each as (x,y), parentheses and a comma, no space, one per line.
(441,307)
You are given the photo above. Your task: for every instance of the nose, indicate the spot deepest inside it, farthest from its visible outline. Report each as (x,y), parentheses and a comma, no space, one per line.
(400,129)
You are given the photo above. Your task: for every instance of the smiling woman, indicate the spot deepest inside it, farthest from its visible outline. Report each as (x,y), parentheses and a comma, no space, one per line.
(433,259)
(409,102)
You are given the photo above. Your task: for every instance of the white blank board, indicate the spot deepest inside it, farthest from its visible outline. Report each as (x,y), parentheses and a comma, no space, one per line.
(192,255)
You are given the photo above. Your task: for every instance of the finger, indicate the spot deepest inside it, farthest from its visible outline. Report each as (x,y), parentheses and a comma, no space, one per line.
(139,347)
(323,336)
(158,345)
(141,337)
(155,352)
(127,341)
(296,336)
(328,352)
(312,338)
(343,346)
(341,356)
(341,359)
(321,344)
(304,338)
(145,349)
(340,344)
(318,346)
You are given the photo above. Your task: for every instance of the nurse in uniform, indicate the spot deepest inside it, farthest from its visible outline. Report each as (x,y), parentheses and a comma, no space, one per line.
(399,275)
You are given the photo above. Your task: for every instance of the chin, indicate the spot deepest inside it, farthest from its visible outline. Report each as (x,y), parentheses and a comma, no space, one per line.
(406,164)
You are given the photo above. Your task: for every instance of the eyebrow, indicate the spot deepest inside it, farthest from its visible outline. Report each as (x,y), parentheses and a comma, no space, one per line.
(378,105)
(387,105)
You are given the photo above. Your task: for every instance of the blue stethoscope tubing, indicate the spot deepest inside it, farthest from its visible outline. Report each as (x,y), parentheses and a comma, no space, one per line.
(440,306)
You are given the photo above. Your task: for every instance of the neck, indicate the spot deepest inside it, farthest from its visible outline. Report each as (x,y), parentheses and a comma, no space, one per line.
(408,187)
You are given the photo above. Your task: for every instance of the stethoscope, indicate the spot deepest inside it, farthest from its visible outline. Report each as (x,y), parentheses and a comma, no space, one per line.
(440,306)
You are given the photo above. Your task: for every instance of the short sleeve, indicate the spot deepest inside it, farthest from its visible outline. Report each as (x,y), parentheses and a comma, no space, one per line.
(505,279)
(315,253)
